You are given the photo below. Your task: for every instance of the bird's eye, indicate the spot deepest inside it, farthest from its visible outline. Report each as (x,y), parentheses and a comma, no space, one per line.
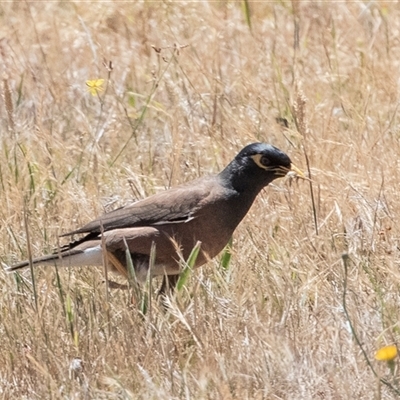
(264,160)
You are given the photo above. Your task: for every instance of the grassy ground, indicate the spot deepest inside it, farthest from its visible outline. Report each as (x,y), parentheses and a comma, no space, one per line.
(187,84)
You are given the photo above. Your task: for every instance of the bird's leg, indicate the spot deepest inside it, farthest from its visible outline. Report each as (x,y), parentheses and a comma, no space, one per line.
(117,264)
(120,268)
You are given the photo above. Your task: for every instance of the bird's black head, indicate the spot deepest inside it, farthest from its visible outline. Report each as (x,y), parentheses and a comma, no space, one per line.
(255,167)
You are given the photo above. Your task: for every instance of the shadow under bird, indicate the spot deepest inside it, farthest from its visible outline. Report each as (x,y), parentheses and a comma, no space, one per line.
(207,210)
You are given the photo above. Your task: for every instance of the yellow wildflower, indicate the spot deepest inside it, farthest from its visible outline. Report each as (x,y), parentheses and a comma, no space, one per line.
(95,86)
(387,353)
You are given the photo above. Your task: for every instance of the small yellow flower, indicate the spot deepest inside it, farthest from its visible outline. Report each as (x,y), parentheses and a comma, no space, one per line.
(95,86)
(387,353)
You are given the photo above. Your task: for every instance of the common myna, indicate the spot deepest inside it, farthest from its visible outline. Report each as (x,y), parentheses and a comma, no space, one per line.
(207,210)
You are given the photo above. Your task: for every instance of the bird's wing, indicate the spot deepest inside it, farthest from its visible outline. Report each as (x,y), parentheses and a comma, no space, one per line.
(171,206)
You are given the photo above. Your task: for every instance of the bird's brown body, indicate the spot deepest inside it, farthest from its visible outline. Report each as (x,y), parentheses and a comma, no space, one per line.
(206,210)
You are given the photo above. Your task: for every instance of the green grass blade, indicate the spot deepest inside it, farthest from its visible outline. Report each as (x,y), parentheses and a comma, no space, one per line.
(132,280)
(60,291)
(227,256)
(189,264)
(246,12)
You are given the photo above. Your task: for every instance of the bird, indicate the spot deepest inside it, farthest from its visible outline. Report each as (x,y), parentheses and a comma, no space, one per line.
(205,211)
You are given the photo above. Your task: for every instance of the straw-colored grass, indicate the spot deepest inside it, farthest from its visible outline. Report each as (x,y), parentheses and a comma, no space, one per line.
(187,85)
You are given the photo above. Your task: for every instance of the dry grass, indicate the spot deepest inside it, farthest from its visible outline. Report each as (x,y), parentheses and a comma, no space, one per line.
(273,326)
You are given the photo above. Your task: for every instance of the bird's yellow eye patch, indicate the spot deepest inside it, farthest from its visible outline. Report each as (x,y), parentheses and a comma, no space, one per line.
(257,159)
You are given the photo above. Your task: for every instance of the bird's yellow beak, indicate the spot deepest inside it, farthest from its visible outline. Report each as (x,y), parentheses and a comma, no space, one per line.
(297,171)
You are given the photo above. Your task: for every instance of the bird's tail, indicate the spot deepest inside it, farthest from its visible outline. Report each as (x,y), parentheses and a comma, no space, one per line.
(91,256)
